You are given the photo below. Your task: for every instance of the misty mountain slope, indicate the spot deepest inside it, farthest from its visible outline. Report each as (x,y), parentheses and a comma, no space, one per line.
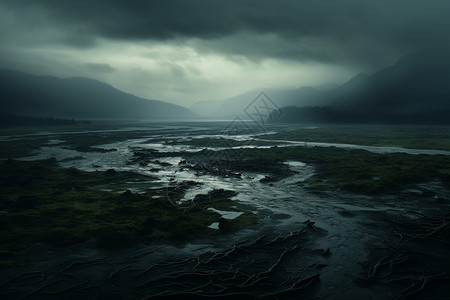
(235,106)
(415,90)
(78,97)
(417,83)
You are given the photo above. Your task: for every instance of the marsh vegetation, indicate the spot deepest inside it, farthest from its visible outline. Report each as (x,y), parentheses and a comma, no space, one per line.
(194,207)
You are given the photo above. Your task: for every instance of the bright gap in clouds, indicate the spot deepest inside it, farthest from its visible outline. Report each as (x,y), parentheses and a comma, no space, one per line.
(179,74)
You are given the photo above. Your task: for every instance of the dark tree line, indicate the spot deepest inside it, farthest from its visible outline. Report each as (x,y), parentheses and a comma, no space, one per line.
(333,115)
(10,120)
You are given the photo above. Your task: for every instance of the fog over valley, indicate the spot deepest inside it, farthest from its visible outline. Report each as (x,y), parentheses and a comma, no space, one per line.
(224,149)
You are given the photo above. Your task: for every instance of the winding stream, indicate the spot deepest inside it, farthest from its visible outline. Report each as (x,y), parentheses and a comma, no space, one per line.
(283,206)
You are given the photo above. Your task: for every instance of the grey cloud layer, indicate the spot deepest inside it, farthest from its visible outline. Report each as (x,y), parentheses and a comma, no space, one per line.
(99,67)
(316,30)
(187,50)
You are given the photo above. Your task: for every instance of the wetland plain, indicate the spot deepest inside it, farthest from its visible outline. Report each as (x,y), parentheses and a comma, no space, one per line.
(164,210)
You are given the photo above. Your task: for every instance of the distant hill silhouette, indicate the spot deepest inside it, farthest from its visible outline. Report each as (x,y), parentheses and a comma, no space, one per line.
(314,115)
(235,106)
(78,97)
(415,90)
(418,82)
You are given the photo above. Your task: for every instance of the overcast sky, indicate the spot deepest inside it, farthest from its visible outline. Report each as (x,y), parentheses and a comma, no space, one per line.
(185,51)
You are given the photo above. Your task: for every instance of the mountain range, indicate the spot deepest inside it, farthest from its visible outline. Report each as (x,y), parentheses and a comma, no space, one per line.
(418,82)
(79,98)
(416,89)
(235,106)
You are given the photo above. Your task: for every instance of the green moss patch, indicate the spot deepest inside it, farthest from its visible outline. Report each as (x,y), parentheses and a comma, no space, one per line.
(358,171)
(41,203)
(413,137)
(20,148)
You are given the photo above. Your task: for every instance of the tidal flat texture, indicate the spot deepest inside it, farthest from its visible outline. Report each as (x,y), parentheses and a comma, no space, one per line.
(170,210)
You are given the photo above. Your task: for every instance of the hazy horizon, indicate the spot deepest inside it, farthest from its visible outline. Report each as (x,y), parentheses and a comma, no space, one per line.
(184,52)
(247,149)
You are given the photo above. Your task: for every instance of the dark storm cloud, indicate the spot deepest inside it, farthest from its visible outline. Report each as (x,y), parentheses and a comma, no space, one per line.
(303,30)
(209,19)
(100,68)
(77,41)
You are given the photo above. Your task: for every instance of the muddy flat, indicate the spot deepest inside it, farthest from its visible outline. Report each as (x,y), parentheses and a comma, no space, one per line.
(170,210)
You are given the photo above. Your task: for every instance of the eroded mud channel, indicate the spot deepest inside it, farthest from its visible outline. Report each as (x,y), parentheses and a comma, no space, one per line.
(280,229)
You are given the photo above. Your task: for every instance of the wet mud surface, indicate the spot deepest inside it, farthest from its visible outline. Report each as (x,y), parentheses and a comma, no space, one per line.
(309,242)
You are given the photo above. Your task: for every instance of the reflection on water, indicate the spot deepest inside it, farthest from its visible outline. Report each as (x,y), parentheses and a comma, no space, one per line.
(340,214)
